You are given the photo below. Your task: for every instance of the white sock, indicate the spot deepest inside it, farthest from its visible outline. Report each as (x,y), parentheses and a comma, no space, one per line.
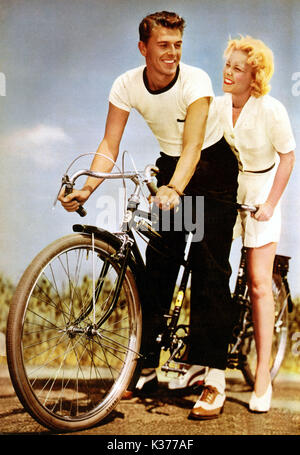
(216,378)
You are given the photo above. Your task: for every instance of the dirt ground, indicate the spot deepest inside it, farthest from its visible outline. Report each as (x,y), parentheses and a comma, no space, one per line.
(166,412)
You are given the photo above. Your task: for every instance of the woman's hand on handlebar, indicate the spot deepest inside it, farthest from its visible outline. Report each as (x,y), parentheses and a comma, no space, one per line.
(264,213)
(72,201)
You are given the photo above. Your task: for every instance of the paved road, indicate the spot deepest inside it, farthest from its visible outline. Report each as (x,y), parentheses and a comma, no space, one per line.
(165,413)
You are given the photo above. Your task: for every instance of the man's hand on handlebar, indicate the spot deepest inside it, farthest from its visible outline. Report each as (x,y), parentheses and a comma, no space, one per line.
(166,198)
(72,201)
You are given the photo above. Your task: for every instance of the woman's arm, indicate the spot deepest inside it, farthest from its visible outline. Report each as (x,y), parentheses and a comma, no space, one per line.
(281,179)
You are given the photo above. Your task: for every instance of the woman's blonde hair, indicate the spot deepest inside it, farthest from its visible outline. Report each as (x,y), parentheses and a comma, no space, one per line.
(260,57)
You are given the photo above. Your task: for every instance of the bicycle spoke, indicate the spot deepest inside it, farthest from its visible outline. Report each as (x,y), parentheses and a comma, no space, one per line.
(71,368)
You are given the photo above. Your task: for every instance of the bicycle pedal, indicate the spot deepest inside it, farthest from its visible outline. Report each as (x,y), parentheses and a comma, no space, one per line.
(169,369)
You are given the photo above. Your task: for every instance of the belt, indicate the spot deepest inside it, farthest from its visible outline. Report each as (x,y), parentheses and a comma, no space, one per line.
(263,171)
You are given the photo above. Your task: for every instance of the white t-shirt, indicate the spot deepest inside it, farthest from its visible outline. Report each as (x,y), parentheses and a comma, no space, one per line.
(165,110)
(262,129)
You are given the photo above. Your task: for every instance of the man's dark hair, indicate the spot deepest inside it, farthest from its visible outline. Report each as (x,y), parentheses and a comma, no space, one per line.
(163,19)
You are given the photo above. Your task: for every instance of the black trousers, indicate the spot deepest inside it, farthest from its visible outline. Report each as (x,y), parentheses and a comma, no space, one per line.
(211,309)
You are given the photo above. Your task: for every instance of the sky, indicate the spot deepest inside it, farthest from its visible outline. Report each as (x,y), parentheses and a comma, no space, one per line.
(58,60)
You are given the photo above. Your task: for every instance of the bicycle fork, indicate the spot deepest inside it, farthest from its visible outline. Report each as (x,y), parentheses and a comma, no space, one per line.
(170,339)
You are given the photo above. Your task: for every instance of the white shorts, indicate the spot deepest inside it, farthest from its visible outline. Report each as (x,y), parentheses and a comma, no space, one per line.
(253,190)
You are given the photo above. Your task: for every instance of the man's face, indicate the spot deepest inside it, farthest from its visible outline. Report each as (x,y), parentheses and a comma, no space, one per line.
(163,51)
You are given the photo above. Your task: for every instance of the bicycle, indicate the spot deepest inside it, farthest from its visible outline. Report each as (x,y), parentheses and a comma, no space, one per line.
(74,325)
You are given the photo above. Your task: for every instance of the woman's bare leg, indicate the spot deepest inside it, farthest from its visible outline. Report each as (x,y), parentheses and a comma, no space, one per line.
(260,267)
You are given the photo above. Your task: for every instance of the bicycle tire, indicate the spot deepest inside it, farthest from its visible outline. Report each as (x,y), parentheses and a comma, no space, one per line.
(67,374)
(280,334)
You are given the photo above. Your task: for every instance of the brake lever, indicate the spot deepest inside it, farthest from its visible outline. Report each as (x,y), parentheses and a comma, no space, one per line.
(151,171)
(56,199)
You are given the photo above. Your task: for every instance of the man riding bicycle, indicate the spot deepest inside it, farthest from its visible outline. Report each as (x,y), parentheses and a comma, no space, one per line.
(177,102)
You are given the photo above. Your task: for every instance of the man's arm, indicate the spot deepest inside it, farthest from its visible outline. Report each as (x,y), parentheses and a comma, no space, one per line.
(193,137)
(109,146)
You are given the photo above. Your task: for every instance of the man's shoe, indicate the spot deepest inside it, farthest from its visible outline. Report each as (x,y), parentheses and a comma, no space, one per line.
(127,395)
(147,383)
(209,405)
(195,375)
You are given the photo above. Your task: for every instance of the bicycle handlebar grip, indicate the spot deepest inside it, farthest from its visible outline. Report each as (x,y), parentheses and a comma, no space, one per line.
(81,210)
(249,208)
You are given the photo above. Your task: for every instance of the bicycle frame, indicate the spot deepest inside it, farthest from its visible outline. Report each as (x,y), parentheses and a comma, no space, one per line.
(128,255)
(75,317)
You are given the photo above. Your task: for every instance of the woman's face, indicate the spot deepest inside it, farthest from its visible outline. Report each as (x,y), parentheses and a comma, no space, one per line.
(237,74)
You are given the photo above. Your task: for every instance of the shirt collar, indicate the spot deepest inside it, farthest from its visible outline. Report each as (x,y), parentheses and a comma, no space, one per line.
(164,89)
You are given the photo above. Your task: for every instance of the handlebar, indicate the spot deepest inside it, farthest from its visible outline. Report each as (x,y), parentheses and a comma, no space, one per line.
(137,177)
(247,208)
(145,176)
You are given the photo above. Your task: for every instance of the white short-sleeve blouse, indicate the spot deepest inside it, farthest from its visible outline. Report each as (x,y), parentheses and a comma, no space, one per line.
(262,129)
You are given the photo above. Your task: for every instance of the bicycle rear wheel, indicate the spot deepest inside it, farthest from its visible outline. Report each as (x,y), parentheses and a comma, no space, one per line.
(279,336)
(70,360)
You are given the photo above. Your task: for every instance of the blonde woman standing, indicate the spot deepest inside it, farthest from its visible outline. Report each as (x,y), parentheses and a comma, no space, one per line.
(258,130)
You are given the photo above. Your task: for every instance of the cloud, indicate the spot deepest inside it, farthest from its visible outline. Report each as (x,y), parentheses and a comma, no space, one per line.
(41,143)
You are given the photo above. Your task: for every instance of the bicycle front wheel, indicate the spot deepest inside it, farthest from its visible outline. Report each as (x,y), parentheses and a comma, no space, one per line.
(280,333)
(71,348)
